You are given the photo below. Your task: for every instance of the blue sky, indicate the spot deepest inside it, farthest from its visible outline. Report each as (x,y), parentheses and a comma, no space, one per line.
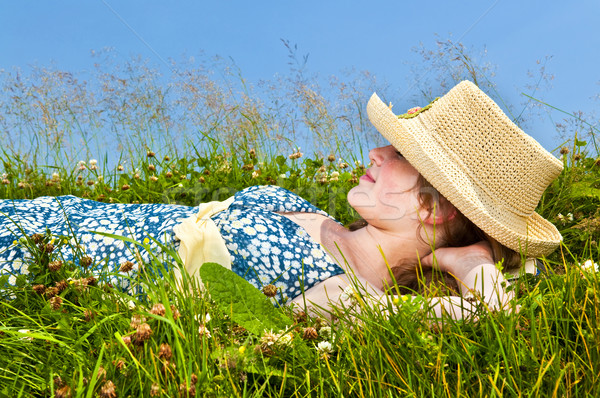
(377,36)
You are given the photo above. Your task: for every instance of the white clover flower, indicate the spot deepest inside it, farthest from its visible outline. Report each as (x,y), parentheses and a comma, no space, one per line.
(589,266)
(100,177)
(285,338)
(93,162)
(204,332)
(335,174)
(325,331)
(255,174)
(349,294)
(324,348)
(25,331)
(81,163)
(570,216)
(282,176)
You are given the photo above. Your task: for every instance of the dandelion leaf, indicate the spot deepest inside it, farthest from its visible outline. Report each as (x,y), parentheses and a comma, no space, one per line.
(244,303)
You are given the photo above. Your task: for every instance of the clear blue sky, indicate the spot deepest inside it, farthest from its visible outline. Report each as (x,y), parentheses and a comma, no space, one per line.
(377,36)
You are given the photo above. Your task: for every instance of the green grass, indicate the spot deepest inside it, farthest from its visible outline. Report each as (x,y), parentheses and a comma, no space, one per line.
(199,138)
(90,341)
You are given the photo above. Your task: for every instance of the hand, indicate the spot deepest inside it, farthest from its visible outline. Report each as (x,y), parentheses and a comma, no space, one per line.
(458,261)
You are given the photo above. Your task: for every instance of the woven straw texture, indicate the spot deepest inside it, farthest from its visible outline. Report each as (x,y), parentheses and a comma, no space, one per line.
(485,165)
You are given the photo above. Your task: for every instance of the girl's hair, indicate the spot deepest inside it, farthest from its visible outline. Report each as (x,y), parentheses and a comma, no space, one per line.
(459,232)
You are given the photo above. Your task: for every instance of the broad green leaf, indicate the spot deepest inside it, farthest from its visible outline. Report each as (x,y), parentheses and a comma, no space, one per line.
(244,303)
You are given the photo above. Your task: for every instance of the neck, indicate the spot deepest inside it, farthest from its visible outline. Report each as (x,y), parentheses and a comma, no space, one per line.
(369,251)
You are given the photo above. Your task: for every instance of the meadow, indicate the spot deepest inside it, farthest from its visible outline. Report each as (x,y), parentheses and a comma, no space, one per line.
(66,332)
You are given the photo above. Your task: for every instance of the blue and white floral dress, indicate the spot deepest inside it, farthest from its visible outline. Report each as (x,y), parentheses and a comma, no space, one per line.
(265,247)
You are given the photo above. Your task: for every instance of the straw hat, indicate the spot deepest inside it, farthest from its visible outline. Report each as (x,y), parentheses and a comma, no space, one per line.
(485,165)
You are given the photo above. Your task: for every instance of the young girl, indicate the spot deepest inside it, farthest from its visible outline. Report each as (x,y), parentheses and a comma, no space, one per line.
(459,177)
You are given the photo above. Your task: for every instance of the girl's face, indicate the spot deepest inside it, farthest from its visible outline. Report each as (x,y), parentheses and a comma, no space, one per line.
(386,196)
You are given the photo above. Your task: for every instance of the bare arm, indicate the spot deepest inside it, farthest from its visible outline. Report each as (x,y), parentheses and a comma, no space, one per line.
(472,266)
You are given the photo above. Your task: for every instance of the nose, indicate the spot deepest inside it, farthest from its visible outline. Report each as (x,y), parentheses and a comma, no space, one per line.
(377,155)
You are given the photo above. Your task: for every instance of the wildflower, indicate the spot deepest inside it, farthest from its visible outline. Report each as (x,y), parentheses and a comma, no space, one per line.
(56,302)
(37,238)
(168,174)
(300,317)
(120,167)
(564,150)
(296,155)
(242,349)
(93,162)
(255,173)
(589,266)
(137,320)
(165,352)
(167,158)
(285,338)
(62,285)
(193,378)
(175,312)
(154,390)
(570,216)
(324,348)
(348,294)
(55,177)
(335,176)
(331,157)
(136,176)
(63,392)
(143,333)
(268,338)
(150,154)
(119,364)
(88,315)
(310,333)
(204,332)
(85,261)
(55,266)
(48,248)
(5,181)
(577,157)
(187,392)
(282,176)
(151,167)
(158,309)
(127,340)
(201,180)
(269,290)
(248,166)
(100,178)
(125,187)
(51,292)
(39,289)
(252,153)
(25,331)
(325,332)
(126,266)
(108,390)
(146,241)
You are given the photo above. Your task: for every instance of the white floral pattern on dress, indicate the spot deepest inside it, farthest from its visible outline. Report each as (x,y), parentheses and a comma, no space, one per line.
(78,219)
(275,250)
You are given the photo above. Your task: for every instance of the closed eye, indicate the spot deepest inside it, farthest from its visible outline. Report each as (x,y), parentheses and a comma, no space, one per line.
(399,154)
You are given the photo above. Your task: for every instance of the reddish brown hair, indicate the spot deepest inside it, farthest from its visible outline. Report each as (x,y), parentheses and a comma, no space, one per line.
(458,232)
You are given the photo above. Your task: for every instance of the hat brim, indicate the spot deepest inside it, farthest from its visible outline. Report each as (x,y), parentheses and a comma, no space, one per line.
(530,234)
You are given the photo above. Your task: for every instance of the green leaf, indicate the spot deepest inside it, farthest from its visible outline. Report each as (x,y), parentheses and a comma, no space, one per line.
(244,303)
(580,143)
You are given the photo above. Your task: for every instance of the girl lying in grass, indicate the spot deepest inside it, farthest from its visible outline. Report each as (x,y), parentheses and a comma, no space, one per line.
(459,177)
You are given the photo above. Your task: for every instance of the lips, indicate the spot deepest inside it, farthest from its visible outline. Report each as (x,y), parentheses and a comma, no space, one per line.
(368,177)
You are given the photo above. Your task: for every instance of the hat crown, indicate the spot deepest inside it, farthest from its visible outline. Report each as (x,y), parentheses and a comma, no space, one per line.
(499,157)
